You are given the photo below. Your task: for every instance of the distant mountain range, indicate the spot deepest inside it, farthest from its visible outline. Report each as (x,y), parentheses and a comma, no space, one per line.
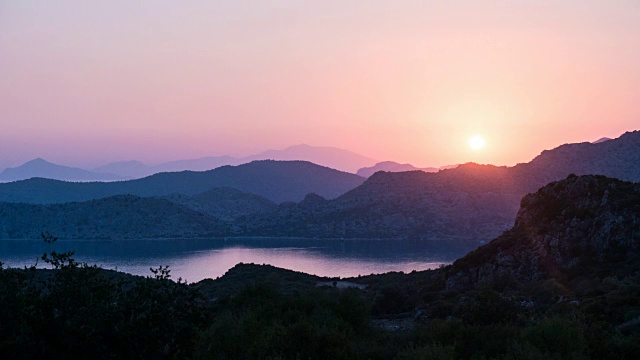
(277,181)
(339,159)
(463,207)
(42,168)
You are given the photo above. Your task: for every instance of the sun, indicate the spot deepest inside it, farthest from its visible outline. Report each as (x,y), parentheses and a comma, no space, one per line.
(476,142)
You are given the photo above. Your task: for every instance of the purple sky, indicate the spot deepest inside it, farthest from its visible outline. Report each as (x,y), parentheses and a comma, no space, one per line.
(89,82)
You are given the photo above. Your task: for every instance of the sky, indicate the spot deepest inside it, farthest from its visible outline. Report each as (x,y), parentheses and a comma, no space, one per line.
(86,83)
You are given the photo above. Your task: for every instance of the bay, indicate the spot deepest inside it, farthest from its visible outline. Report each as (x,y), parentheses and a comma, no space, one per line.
(197,259)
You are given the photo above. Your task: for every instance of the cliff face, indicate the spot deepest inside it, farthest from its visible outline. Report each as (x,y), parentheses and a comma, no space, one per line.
(577,223)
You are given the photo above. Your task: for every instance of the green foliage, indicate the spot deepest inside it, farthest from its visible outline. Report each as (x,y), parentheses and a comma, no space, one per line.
(391,299)
(57,260)
(430,352)
(81,311)
(558,336)
(489,307)
(260,323)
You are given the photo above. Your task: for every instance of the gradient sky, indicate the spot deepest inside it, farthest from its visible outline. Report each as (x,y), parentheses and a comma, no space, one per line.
(89,82)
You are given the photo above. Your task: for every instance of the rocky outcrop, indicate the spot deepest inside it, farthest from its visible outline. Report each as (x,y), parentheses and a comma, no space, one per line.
(580,222)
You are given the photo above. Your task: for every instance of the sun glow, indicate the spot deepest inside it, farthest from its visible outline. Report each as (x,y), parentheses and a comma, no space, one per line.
(476,142)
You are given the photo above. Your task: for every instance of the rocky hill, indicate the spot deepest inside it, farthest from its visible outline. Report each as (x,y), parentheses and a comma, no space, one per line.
(580,223)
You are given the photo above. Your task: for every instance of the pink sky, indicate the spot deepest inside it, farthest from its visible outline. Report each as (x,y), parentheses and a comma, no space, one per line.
(83,83)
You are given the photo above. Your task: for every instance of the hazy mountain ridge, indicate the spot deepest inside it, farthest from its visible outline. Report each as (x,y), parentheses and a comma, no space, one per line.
(391,166)
(335,158)
(130,169)
(42,168)
(277,181)
(332,157)
(602,139)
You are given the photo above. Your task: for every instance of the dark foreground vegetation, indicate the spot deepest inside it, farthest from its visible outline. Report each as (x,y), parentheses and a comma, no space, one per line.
(564,283)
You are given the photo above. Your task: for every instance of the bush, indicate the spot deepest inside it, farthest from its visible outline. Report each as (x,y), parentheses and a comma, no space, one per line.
(558,336)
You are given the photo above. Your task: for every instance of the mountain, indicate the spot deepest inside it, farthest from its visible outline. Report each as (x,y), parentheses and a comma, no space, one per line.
(42,168)
(391,166)
(577,227)
(224,203)
(119,217)
(562,283)
(201,164)
(137,170)
(464,206)
(601,140)
(127,169)
(132,217)
(277,181)
(332,157)
(618,158)
(458,209)
(448,207)
(564,279)
(335,158)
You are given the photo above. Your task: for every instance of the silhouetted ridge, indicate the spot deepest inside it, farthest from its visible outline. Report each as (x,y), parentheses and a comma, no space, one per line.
(617,158)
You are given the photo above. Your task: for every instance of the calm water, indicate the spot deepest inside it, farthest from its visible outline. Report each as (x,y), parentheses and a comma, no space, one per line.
(195,260)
